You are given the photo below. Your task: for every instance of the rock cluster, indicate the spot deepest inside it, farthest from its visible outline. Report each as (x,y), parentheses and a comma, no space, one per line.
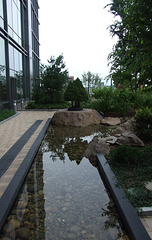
(121,135)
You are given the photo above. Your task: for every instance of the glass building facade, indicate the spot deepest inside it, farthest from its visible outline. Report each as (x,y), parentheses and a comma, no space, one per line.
(19,50)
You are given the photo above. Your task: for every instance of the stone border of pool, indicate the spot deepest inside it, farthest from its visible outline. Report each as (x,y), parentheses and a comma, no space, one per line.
(132,223)
(12,190)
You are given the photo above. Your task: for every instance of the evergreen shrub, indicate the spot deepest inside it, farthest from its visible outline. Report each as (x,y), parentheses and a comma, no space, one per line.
(125,155)
(143,123)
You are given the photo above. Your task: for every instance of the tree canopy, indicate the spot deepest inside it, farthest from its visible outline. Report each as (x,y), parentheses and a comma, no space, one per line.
(91,80)
(52,81)
(131,57)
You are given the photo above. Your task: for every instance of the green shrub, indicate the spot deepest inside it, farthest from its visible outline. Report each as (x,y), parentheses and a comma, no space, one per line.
(33,105)
(30,105)
(114,100)
(6,114)
(123,100)
(125,155)
(97,105)
(143,123)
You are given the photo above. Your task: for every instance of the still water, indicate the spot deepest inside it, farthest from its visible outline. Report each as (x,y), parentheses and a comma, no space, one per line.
(63,196)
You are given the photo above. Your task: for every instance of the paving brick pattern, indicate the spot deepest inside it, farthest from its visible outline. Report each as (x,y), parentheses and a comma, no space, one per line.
(10,132)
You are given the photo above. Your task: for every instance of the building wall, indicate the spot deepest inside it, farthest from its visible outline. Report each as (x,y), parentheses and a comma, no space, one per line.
(19,49)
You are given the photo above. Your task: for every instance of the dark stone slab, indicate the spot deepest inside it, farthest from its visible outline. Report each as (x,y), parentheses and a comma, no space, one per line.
(11,154)
(131,221)
(9,196)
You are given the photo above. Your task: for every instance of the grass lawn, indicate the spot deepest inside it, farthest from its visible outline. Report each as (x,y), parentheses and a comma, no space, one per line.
(6,114)
(133,176)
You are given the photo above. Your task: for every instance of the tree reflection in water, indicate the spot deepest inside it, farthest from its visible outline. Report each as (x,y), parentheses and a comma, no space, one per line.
(71,140)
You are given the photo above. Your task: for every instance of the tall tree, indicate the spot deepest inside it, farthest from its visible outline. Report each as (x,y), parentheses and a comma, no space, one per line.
(131,57)
(91,80)
(52,81)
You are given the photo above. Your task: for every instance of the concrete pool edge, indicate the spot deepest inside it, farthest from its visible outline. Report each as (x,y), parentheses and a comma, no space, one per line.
(9,196)
(132,222)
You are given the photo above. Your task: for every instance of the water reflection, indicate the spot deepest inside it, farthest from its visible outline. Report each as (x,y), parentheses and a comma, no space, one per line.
(63,196)
(73,141)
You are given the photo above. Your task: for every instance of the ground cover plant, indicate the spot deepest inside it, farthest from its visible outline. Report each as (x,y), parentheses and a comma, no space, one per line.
(132,167)
(4,114)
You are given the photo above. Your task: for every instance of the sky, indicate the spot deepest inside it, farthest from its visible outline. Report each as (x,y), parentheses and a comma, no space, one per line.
(78,30)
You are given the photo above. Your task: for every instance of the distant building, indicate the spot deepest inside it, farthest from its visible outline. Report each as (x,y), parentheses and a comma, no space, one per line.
(102,84)
(19,49)
(71,78)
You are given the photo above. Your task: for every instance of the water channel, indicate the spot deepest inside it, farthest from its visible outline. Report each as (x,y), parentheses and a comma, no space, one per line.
(63,196)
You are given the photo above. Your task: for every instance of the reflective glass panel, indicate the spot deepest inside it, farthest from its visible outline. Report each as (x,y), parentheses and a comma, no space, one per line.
(15,18)
(19,29)
(3,94)
(1,8)
(16,60)
(1,14)
(9,13)
(20,61)
(19,78)
(2,52)
(11,57)
(12,73)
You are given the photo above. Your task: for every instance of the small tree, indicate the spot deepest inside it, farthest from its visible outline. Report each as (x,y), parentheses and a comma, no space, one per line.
(75,93)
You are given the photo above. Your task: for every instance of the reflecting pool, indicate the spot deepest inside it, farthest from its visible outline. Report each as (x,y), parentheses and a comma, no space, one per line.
(63,196)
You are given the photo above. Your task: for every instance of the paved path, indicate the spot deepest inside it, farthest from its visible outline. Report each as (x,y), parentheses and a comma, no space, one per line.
(11,131)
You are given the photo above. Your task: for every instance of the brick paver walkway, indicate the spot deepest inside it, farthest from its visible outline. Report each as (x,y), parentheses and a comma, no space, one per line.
(11,131)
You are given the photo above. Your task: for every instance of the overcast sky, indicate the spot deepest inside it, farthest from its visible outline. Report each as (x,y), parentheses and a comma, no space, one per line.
(78,29)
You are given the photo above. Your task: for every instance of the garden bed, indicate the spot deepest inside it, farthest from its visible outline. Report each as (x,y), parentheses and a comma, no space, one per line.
(6,114)
(134,174)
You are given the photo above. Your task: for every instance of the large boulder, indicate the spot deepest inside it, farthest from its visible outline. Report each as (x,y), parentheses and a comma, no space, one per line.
(97,145)
(129,138)
(83,118)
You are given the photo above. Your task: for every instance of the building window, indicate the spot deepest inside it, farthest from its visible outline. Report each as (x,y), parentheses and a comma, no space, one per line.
(16,69)
(3,95)
(14,20)
(1,14)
